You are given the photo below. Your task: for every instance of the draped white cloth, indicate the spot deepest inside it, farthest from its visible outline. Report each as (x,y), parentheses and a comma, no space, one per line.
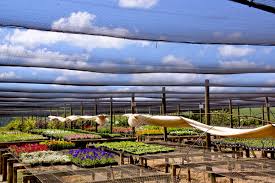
(99,119)
(178,121)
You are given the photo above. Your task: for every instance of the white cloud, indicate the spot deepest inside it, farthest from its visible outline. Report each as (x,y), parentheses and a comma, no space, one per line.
(142,4)
(17,53)
(84,22)
(8,75)
(173,60)
(163,77)
(238,64)
(33,39)
(234,51)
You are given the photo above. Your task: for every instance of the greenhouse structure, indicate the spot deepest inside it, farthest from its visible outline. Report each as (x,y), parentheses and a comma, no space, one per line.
(142,91)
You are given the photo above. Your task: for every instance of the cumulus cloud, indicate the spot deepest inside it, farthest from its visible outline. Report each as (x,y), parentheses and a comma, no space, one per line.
(235,51)
(173,60)
(33,39)
(19,54)
(141,4)
(84,22)
(238,64)
(8,75)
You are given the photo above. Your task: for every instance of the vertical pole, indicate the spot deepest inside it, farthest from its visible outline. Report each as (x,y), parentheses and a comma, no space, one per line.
(111,114)
(96,113)
(149,110)
(71,113)
(164,110)
(239,118)
(133,110)
(178,108)
(250,112)
(207,112)
(200,106)
(65,115)
(82,113)
(267,109)
(263,117)
(230,113)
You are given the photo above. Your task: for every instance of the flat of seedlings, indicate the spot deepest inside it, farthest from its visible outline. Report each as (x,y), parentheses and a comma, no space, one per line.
(125,173)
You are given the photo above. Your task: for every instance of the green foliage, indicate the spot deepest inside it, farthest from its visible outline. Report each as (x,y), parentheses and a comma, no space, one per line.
(137,148)
(121,121)
(55,125)
(255,143)
(57,145)
(17,124)
(9,136)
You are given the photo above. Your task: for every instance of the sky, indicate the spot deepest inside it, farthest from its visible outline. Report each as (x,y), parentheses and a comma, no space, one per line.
(176,20)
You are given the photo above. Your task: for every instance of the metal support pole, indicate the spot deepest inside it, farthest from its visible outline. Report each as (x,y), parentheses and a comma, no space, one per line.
(263,117)
(239,117)
(207,112)
(82,113)
(111,114)
(164,110)
(178,109)
(267,109)
(133,110)
(71,113)
(96,113)
(230,113)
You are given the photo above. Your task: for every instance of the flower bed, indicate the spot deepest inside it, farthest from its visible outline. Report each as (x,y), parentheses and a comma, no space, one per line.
(122,130)
(91,157)
(149,132)
(137,148)
(56,145)
(66,135)
(254,144)
(45,158)
(26,148)
(81,136)
(184,132)
(11,136)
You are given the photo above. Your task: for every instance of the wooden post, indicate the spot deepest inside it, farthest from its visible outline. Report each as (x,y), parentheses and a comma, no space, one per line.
(207,112)
(133,110)
(230,113)
(250,112)
(239,117)
(178,108)
(263,118)
(149,110)
(96,113)
(111,114)
(164,110)
(267,109)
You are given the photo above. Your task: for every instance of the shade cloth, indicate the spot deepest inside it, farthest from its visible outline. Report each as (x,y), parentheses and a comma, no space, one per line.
(99,119)
(135,120)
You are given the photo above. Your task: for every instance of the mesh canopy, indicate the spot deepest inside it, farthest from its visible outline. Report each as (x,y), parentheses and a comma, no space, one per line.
(182,22)
(62,53)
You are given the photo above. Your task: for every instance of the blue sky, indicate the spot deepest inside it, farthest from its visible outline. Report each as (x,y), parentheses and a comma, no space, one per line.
(216,20)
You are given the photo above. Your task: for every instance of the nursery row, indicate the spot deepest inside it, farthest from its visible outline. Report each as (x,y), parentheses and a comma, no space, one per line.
(11,136)
(137,148)
(256,144)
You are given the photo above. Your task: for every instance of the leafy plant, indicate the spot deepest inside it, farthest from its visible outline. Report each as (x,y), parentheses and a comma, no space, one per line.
(9,136)
(58,144)
(137,148)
